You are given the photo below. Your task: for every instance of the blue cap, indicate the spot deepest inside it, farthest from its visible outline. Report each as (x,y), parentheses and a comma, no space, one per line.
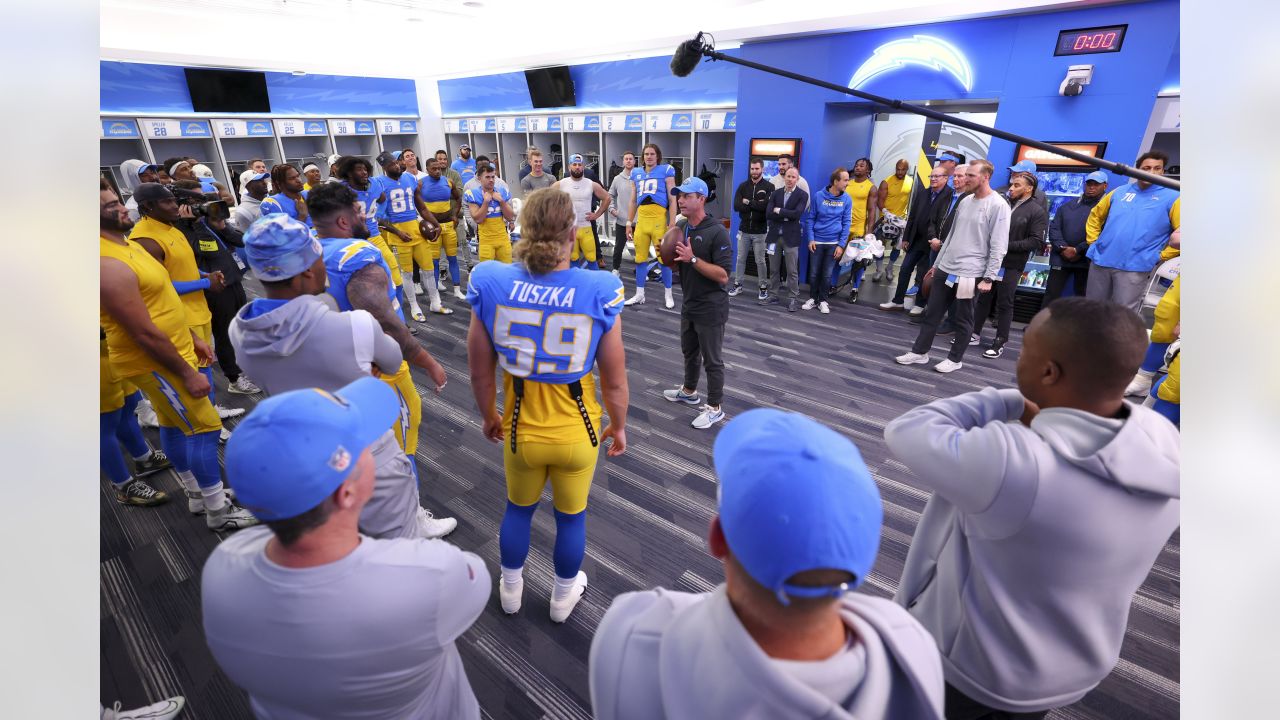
(279,247)
(148,167)
(949,156)
(691,185)
(1023,166)
(258,176)
(795,495)
(396,154)
(1096,176)
(296,448)
(575,158)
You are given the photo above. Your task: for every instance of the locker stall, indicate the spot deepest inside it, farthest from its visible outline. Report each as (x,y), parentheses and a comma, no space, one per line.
(677,150)
(546,134)
(512,160)
(242,141)
(582,136)
(120,141)
(455,140)
(305,141)
(358,138)
(184,138)
(395,135)
(713,156)
(485,143)
(622,133)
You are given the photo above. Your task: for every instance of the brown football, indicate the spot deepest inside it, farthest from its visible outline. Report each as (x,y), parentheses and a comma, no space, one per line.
(667,251)
(430,231)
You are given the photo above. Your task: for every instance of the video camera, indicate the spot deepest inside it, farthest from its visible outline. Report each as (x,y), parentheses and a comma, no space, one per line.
(200,204)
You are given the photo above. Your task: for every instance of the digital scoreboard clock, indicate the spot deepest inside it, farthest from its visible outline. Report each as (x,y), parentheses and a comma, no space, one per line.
(1088,41)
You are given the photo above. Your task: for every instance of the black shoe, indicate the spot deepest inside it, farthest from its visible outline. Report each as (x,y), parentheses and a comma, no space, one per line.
(996,349)
(153,463)
(853,296)
(793,306)
(138,492)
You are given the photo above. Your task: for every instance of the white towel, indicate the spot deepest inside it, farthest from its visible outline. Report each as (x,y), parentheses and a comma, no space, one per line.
(965,288)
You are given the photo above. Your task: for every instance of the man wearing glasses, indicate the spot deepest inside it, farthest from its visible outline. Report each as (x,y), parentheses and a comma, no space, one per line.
(923,221)
(784,636)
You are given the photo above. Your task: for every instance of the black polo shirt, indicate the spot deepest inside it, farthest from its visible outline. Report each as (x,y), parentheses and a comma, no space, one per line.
(706,301)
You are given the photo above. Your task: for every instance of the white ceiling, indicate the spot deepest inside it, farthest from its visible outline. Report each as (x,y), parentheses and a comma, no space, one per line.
(457,38)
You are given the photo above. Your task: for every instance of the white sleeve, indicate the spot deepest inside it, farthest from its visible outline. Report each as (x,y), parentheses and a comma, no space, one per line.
(466,586)
(372,345)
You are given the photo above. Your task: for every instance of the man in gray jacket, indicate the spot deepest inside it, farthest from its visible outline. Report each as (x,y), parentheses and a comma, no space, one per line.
(784,637)
(1050,504)
(294,338)
(622,199)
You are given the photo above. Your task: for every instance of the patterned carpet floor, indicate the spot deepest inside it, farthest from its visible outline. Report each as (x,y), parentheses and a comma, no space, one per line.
(649,512)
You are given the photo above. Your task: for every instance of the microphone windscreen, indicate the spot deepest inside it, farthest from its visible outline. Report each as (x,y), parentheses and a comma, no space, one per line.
(686,57)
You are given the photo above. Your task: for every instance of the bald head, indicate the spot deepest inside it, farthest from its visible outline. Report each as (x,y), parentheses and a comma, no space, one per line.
(1080,348)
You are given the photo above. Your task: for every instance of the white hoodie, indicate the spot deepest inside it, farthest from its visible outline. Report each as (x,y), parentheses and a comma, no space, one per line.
(664,654)
(1027,556)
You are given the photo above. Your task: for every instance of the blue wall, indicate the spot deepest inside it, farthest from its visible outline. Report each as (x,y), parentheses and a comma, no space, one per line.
(142,89)
(622,84)
(1012,61)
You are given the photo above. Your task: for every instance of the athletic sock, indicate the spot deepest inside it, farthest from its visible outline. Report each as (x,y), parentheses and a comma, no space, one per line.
(513,535)
(203,458)
(432,282)
(215,497)
(109,457)
(571,544)
(188,481)
(562,587)
(174,443)
(1154,357)
(642,270)
(593,265)
(511,577)
(666,276)
(454,273)
(128,432)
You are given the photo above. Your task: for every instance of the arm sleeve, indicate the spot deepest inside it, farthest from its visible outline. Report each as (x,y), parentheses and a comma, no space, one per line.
(806,225)
(269,206)
(999,245)
(185,287)
(722,250)
(1055,232)
(233,235)
(1175,213)
(961,447)
(801,204)
(757,204)
(1033,233)
(1097,218)
(846,222)
(466,586)
(768,211)
(373,346)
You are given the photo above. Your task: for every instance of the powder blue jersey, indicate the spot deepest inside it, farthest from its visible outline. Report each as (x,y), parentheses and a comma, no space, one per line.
(475,196)
(545,328)
(399,206)
(343,257)
(651,185)
(466,169)
(281,203)
(368,200)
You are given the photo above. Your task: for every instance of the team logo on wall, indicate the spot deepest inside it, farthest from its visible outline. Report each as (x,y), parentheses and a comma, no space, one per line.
(922,50)
(119,128)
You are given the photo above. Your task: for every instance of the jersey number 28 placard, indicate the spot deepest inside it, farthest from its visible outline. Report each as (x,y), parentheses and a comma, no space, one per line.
(573,351)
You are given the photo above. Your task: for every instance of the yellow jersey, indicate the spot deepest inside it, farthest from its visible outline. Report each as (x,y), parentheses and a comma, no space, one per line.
(895,201)
(180,262)
(163,305)
(859,191)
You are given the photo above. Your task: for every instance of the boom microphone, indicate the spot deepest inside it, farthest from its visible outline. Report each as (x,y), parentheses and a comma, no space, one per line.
(686,56)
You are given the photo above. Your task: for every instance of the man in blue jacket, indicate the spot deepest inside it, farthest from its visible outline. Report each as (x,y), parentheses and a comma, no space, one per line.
(1067,259)
(827,227)
(1128,235)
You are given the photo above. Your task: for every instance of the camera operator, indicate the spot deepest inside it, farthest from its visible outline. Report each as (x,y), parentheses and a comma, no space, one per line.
(214,242)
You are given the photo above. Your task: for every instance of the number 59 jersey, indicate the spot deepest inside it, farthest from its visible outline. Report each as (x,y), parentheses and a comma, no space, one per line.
(547,328)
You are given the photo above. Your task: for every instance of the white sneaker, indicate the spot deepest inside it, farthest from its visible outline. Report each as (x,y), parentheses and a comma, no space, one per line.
(227,413)
(458,293)
(430,526)
(891,305)
(510,597)
(224,436)
(560,609)
(418,315)
(669,299)
(912,359)
(637,299)
(616,273)
(418,289)
(1141,384)
(242,386)
(707,418)
(824,308)
(195,499)
(163,710)
(917,310)
(230,517)
(147,414)
(439,309)
(947,366)
(676,394)
(808,304)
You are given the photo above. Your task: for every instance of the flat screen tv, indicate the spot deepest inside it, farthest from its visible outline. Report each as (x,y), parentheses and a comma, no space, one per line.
(551,87)
(229,91)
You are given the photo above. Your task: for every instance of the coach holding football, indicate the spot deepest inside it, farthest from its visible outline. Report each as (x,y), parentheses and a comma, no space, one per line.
(698,248)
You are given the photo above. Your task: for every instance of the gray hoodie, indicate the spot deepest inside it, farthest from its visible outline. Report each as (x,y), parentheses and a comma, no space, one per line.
(1027,556)
(664,654)
(249,209)
(129,170)
(306,343)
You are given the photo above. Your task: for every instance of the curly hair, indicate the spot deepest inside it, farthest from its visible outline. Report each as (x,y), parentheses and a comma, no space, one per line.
(545,222)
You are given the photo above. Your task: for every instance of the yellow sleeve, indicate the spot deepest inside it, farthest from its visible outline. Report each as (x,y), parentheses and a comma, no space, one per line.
(1175,219)
(1097,218)
(1171,389)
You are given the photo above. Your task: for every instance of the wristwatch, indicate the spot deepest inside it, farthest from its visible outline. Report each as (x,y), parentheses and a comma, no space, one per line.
(694,260)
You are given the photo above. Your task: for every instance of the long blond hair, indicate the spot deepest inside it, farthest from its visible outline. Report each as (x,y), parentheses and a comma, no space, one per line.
(545,221)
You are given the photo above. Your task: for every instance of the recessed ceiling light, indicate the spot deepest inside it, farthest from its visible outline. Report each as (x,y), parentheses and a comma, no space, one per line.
(473,4)
(415,19)
(299,72)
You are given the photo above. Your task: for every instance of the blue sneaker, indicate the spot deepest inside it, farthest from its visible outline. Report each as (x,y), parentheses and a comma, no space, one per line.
(911,291)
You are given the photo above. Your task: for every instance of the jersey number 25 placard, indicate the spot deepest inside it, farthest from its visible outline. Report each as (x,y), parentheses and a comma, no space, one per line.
(573,351)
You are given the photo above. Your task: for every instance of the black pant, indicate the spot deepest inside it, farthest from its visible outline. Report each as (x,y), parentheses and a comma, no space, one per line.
(1001,294)
(917,260)
(619,244)
(962,707)
(942,297)
(1057,282)
(224,306)
(702,345)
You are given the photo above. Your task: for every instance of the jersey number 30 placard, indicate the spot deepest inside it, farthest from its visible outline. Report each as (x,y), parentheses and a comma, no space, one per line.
(525,349)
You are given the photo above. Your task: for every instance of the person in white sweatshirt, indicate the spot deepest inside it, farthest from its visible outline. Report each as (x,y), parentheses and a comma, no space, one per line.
(1050,505)
(784,637)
